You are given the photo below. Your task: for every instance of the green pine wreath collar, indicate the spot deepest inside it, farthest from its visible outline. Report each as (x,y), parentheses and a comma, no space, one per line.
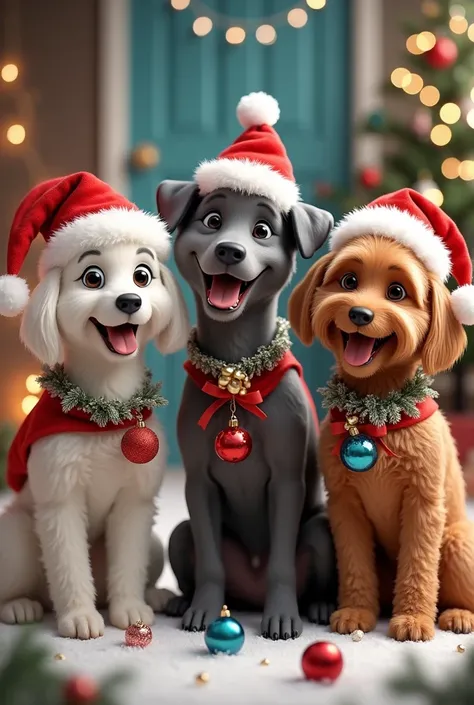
(379,411)
(102,411)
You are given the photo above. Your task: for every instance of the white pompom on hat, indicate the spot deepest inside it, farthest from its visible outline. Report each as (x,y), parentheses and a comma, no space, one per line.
(257,162)
(411,219)
(73,213)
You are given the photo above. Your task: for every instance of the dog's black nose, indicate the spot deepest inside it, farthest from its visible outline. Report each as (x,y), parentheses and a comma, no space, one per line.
(361,316)
(230,252)
(128,303)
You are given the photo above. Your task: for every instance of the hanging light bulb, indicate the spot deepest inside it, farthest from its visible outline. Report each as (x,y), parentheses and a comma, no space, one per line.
(425,41)
(440,135)
(450,168)
(458,25)
(470,118)
(29,403)
(235,35)
(429,188)
(266,34)
(16,134)
(466,170)
(32,385)
(202,26)
(414,85)
(429,96)
(316,4)
(412,46)
(9,73)
(297,17)
(180,4)
(450,113)
(400,77)
(457,11)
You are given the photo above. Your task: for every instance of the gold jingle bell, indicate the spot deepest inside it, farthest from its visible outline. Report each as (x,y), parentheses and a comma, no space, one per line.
(235,381)
(350,425)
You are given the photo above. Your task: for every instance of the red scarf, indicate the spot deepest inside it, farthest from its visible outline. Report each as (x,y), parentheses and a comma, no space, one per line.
(338,419)
(262,386)
(48,419)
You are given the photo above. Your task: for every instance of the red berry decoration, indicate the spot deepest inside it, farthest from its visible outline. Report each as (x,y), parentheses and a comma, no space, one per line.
(80,690)
(233,444)
(443,54)
(138,634)
(322,661)
(370,177)
(140,444)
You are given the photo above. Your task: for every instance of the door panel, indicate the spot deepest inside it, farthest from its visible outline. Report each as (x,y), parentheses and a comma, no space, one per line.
(184,94)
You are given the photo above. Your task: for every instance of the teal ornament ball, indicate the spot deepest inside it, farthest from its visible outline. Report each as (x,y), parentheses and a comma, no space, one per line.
(225,635)
(359,453)
(376,120)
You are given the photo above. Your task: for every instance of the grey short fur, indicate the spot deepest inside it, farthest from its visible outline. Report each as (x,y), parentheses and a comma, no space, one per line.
(270,506)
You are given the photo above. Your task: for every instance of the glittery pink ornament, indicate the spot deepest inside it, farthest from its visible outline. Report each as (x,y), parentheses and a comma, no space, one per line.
(138,634)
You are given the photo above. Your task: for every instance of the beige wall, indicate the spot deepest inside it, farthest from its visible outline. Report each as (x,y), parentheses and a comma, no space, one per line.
(58,59)
(59,56)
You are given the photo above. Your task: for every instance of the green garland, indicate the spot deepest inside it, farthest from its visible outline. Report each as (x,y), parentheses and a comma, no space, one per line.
(267,357)
(102,411)
(379,412)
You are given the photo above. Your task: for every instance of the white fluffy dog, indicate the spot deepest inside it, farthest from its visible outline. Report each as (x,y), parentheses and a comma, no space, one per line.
(84,504)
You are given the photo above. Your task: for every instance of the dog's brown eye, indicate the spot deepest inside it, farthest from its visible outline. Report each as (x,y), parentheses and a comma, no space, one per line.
(262,231)
(212,220)
(93,278)
(396,292)
(142,276)
(349,281)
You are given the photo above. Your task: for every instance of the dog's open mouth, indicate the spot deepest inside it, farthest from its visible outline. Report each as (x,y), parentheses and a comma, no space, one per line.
(360,349)
(225,291)
(121,340)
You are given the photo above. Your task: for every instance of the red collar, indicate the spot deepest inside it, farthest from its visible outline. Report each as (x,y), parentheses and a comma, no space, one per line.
(337,419)
(262,385)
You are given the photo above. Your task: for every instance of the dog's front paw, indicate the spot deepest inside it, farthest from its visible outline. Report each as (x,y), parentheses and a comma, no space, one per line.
(159,598)
(281,618)
(21,611)
(411,627)
(349,619)
(81,623)
(457,621)
(126,611)
(205,608)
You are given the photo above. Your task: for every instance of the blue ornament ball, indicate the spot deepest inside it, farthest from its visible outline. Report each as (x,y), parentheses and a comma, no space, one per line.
(359,453)
(376,120)
(225,635)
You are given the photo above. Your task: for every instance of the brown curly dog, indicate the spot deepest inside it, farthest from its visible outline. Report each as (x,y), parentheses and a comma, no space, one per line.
(400,530)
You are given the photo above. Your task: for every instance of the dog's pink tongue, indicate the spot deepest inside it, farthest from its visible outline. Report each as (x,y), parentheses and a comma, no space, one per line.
(122,339)
(224,291)
(358,349)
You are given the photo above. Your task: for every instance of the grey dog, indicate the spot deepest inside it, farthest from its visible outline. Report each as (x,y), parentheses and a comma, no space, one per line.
(259,526)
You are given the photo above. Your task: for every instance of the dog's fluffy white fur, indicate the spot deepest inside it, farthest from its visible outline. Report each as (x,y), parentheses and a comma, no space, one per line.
(81,490)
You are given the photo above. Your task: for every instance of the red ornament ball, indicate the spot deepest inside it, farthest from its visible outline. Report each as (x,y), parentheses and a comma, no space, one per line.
(322,661)
(443,54)
(370,177)
(233,444)
(81,689)
(140,445)
(138,634)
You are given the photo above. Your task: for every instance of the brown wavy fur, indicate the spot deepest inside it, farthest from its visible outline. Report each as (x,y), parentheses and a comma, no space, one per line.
(401,534)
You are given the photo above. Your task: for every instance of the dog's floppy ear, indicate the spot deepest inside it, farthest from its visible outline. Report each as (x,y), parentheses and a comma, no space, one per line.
(39,328)
(446,340)
(175,335)
(174,200)
(300,305)
(311,227)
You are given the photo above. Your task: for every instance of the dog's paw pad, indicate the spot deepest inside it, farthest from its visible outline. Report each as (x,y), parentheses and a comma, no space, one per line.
(349,619)
(21,611)
(458,621)
(124,612)
(85,623)
(411,627)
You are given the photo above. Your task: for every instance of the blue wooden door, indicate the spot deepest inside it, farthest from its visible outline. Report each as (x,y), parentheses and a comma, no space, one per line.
(185,90)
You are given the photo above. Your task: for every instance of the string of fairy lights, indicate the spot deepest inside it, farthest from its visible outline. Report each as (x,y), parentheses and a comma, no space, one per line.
(238,29)
(440,134)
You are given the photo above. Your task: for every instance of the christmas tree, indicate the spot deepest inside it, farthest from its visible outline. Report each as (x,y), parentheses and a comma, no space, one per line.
(432,150)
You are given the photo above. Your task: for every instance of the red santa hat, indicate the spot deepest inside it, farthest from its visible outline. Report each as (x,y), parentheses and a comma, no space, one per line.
(411,219)
(73,213)
(257,162)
